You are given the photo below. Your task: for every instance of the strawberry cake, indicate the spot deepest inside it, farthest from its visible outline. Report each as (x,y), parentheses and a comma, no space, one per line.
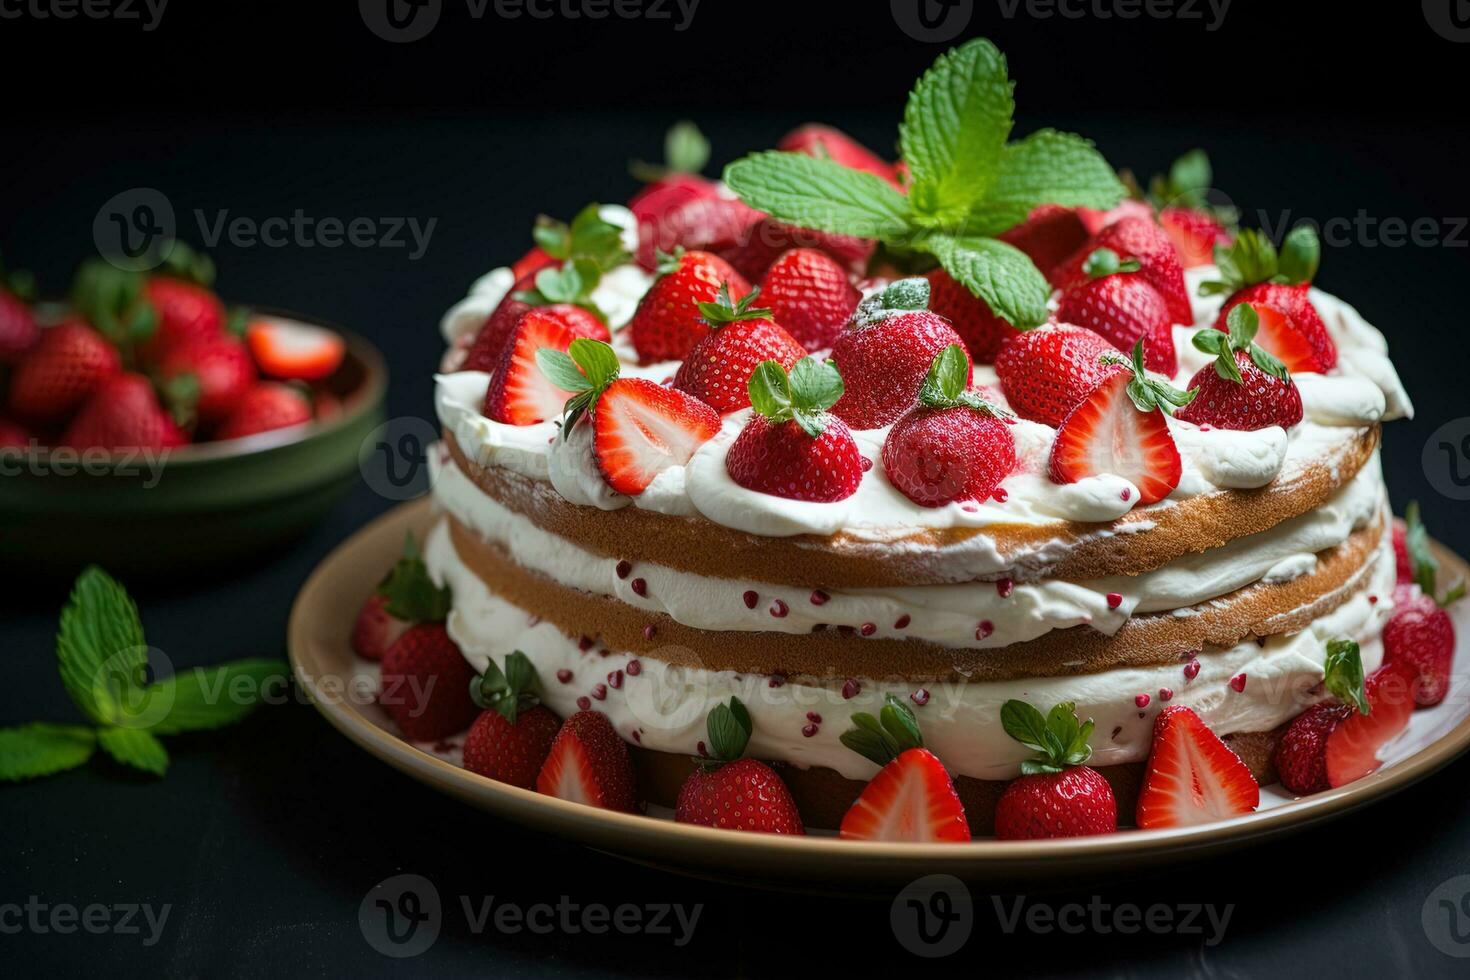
(799,478)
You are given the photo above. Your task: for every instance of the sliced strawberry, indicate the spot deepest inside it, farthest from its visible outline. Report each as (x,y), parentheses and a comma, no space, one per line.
(1353,747)
(1301,755)
(1192,777)
(1195,233)
(1290,327)
(294,351)
(589,764)
(641,428)
(1108,434)
(912,799)
(519,393)
(490,343)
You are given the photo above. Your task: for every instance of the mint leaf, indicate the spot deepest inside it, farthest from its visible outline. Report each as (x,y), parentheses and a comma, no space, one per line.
(946,379)
(954,130)
(100,648)
(134,747)
(212,697)
(813,193)
(815,385)
(40,749)
(1046,167)
(686,151)
(1000,274)
(1342,672)
(596,359)
(1024,723)
(770,392)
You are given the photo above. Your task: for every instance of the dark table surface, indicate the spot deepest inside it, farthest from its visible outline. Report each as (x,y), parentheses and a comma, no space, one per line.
(264,840)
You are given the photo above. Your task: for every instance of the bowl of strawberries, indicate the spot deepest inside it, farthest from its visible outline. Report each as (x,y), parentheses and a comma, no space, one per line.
(143,404)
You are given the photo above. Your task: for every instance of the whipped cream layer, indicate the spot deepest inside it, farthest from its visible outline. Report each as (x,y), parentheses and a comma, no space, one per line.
(1364,389)
(663,707)
(948,615)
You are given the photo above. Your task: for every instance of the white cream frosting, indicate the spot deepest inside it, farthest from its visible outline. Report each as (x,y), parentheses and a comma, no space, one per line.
(663,707)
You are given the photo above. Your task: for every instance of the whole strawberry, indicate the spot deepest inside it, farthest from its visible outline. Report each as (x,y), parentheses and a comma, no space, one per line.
(668,323)
(983,332)
(265,406)
(1253,271)
(123,413)
(1301,754)
(425,684)
(886,352)
(1141,239)
(731,793)
(1421,635)
(1115,301)
(589,764)
(18,329)
(68,363)
(187,313)
(912,798)
(767,239)
(793,447)
(810,295)
(204,380)
(512,737)
(1057,794)
(954,445)
(1195,233)
(1192,221)
(830,143)
(1049,235)
(741,336)
(1046,372)
(406,595)
(1246,388)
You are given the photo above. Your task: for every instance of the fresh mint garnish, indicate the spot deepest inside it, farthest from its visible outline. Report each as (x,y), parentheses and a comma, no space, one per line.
(802,396)
(1145,392)
(966,184)
(1059,738)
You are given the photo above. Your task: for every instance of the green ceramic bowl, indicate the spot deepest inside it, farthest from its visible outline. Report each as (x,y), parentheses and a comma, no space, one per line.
(170,514)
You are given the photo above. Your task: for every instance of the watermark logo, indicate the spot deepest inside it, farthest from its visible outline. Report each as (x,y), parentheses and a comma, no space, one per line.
(135,229)
(932,21)
(1446,917)
(401,916)
(406,21)
(400,21)
(394,458)
(1209,12)
(1450,19)
(933,916)
(1446,459)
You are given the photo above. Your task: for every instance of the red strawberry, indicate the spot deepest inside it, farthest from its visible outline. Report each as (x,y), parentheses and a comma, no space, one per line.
(490,343)
(809,294)
(641,428)
(1352,748)
(512,737)
(1301,755)
(1138,238)
(670,214)
(1421,636)
(13,435)
(589,764)
(293,351)
(717,371)
(886,353)
(732,793)
(1195,233)
(912,798)
(1253,271)
(1046,372)
(792,447)
(186,311)
(18,329)
(711,222)
(1049,235)
(827,142)
(1192,777)
(1119,429)
(519,393)
(406,595)
(1403,567)
(983,332)
(1095,220)
(1057,794)
(123,413)
(1246,388)
(668,323)
(1121,306)
(425,684)
(765,240)
(66,365)
(954,445)
(207,378)
(266,406)
(535,259)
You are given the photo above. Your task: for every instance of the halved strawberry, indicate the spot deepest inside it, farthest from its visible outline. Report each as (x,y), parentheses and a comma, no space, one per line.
(1254,271)
(1192,777)
(294,351)
(1119,429)
(1353,747)
(641,428)
(912,798)
(519,392)
(589,764)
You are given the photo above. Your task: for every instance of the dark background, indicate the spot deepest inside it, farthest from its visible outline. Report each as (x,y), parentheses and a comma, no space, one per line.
(266,837)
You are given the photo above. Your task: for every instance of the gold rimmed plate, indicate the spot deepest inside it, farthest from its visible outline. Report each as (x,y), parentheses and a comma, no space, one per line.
(321,656)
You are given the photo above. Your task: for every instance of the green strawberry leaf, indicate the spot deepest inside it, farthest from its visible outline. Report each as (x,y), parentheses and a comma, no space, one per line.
(1000,274)
(881,740)
(1022,722)
(509,691)
(723,310)
(729,729)
(212,697)
(1343,674)
(41,748)
(1059,738)
(135,747)
(1046,167)
(1300,256)
(947,376)
(100,648)
(412,594)
(1105,262)
(1421,559)
(819,194)
(686,151)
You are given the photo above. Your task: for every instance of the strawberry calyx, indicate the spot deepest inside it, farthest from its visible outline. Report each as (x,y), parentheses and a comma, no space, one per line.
(183,262)
(725,311)
(113,301)
(1106,262)
(1251,259)
(510,691)
(586,369)
(18,282)
(410,592)
(1058,738)
(882,739)
(587,236)
(803,396)
(1342,674)
(1146,393)
(686,151)
(1422,560)
(728,727)
(1243,321)
(1187,185)
(945,386)
(903,296)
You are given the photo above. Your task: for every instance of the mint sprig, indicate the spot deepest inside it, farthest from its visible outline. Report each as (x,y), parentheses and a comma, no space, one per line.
(585,369)
(803,396)
(573,284)
(1251,259)
(1421,558)
(1342,674)
(1243,321)
(967,184)
(103,660)
(1058,738)
(587,236)
(882,739)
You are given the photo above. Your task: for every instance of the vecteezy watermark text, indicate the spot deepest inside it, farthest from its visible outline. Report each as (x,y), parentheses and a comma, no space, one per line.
(1100,917)
(146,12)
(38,460)
(1209,12)
(405,21)
(97,918)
